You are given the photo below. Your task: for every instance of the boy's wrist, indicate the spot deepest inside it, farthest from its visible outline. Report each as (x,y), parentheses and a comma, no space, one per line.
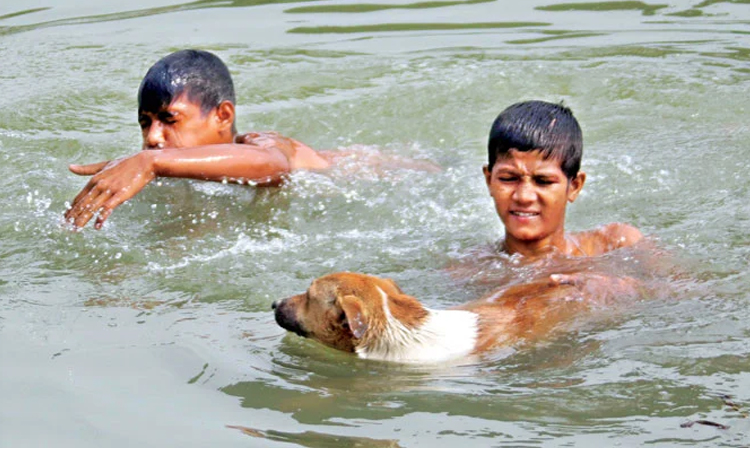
(153,161)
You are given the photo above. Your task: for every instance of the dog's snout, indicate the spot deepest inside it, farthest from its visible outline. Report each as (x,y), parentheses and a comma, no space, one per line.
(286,317)
(278,303)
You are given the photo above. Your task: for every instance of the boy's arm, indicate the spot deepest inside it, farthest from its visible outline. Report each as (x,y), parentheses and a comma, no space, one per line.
(607,238)
(117,181)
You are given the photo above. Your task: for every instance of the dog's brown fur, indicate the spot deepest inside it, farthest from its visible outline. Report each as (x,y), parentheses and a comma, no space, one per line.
(527,311)
(350,311)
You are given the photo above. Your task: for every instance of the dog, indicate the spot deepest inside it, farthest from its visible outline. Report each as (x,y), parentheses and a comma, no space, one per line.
(372,317)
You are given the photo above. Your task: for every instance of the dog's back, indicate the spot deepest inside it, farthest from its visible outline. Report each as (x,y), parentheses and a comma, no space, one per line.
(525,311)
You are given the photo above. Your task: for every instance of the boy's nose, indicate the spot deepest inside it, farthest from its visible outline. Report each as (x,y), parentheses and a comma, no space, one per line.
(524,193)
(154,138)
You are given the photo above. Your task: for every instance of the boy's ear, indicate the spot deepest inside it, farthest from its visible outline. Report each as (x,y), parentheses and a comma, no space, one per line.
(575,185)
(225,114)
(487,174)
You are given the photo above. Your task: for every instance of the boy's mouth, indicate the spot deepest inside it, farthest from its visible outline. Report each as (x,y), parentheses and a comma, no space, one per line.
(524,213)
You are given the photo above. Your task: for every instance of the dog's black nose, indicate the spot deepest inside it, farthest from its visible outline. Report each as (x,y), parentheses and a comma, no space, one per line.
(274,304)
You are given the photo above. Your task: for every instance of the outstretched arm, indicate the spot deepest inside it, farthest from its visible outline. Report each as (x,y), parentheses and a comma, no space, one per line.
(114,182)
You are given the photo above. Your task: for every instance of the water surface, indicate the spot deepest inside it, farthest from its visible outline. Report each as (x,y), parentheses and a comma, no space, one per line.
(157,330)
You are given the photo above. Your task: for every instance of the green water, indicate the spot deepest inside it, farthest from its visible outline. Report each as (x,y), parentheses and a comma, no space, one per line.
(157,330)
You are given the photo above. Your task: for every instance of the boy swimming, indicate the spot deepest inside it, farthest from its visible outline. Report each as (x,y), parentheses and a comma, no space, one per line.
(535,151)
(186,111)
(187,117)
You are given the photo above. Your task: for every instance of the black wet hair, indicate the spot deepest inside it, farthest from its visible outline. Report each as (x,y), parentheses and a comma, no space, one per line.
(537,125)
(198,73)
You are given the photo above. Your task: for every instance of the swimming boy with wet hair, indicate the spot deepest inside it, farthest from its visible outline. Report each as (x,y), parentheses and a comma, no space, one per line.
(201,75)
(187,116)
(535,151)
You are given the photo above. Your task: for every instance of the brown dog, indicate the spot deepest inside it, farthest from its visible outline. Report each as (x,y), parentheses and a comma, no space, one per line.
(373,318)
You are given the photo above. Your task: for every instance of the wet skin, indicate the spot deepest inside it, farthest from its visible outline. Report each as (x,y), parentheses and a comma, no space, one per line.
(531,194)
(183,124)
(182,141)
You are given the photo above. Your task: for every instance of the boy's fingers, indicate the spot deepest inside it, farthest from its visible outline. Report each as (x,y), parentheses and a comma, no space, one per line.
(82,216)
(84,210)
(87,169)
(103,215)
(558,279)
(246,138)
(77,205)
(86,191)
(106,209)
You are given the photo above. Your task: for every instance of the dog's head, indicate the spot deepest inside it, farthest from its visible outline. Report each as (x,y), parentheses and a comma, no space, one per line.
(342,310)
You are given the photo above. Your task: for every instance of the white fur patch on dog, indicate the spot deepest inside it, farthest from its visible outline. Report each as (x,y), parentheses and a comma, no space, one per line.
(442,336)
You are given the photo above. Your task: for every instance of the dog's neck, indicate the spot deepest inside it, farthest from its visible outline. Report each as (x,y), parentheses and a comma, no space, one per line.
(442,335)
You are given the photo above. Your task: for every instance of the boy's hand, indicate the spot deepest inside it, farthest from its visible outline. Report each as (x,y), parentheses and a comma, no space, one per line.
(598,285)
(263,139)
(574,279)
(272,140)
(112,183)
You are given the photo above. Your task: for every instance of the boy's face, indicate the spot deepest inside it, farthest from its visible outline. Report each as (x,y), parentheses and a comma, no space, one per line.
(182,124)
(531,194)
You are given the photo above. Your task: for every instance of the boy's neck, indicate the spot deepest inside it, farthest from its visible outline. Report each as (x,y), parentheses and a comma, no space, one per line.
(530,249)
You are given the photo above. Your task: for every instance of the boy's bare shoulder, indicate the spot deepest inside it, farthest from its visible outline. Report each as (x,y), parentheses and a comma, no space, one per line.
(607,238)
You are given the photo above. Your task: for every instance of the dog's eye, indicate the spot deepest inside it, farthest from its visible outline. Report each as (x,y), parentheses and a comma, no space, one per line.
(344,322)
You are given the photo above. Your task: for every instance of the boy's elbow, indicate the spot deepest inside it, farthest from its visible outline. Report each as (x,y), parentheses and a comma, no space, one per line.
(274,171)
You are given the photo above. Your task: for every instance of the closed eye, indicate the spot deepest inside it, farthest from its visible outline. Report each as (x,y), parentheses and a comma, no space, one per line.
(544,181)
(167,117)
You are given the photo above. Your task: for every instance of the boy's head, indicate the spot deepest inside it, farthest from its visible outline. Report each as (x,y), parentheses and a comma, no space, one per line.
(538,125)
(201,75)
(186,99)
(533,172)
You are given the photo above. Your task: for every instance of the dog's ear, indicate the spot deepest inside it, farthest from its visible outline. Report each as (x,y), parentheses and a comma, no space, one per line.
(355,316)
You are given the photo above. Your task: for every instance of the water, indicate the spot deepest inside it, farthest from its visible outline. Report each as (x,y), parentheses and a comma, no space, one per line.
(157,330)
